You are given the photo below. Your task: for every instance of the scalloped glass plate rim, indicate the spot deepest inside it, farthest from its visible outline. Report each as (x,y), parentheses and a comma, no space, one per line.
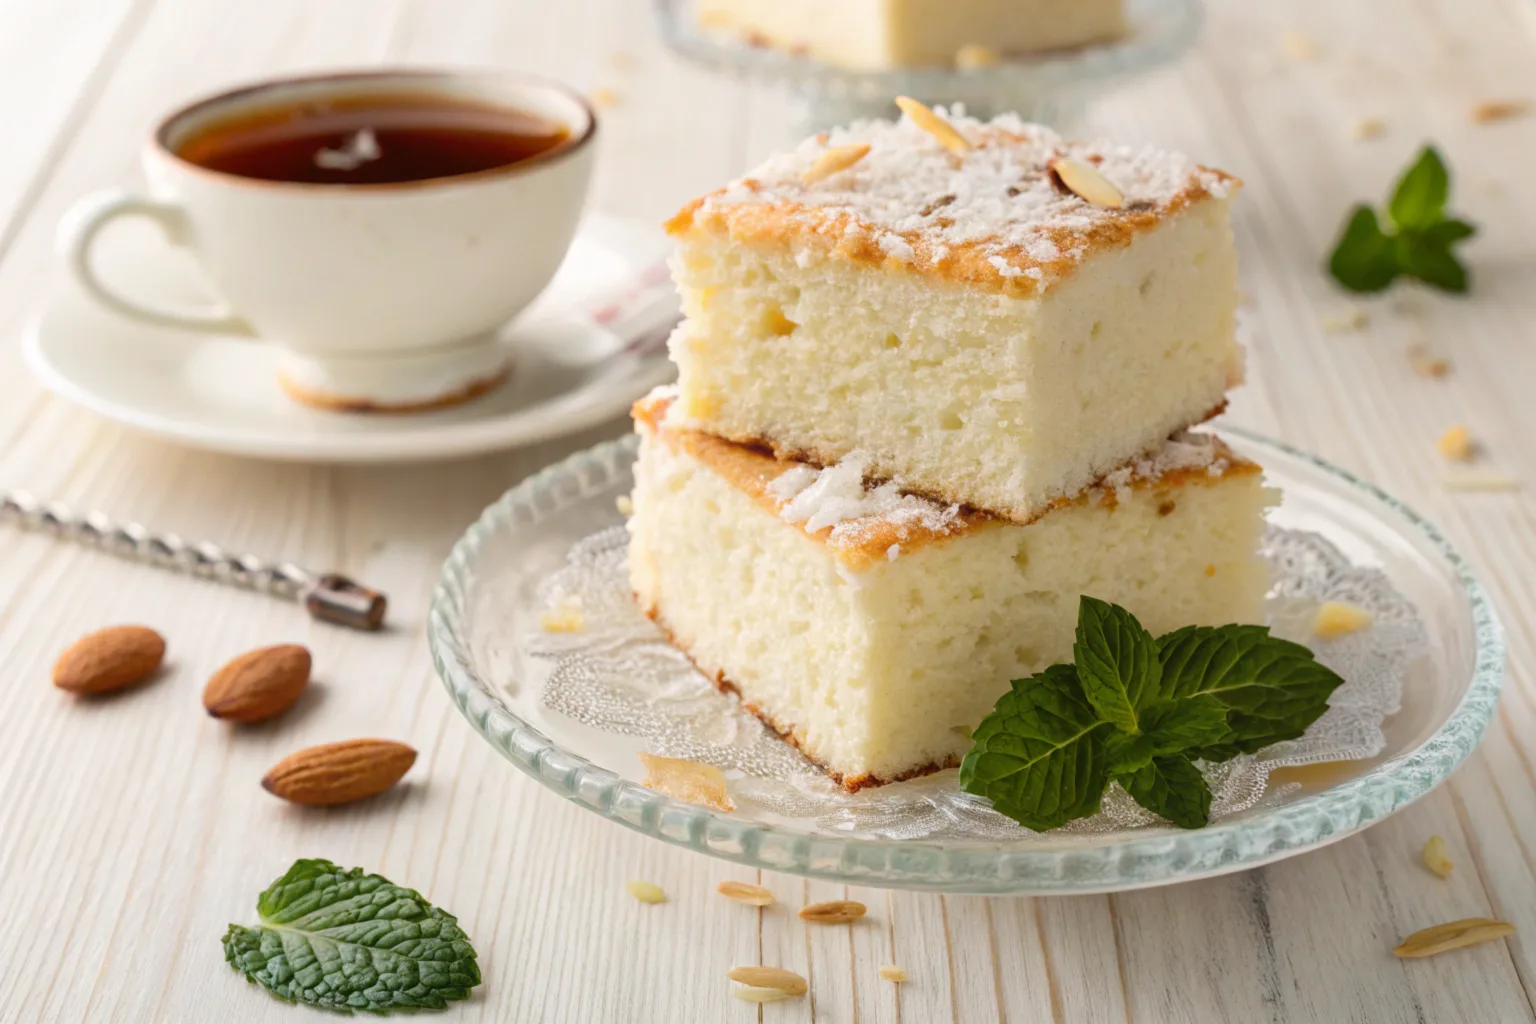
(1175,26)
(1157,859)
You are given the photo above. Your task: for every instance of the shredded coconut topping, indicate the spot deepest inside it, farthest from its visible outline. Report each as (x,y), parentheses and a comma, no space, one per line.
(791,482)
(1184,450)
(999,197)
(838,497)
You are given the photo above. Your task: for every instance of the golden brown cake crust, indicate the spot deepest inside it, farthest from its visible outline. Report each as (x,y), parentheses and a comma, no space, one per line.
(751,467)
(912,206)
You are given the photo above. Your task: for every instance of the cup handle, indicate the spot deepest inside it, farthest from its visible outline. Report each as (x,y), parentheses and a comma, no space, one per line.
(77,237)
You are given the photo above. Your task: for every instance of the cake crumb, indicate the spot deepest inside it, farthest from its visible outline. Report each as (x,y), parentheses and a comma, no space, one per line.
(564,616)
(625,504)
(890,972)
(1456,444)
(1299,46)
(1436,859)
(1426,365)
(646,892)
(604,97)
(1339,618)
(1350,318)
(622,61)
(1364,128)
(1490,111)
(974,55)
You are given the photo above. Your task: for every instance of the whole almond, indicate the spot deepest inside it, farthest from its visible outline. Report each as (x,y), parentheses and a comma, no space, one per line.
(109,660)
(339,773)
(259,684)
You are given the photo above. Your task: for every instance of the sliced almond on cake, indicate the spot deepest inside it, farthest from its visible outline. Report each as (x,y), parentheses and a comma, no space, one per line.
(1085,182)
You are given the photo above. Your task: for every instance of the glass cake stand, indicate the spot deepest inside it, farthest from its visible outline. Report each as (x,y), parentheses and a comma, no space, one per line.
(1051,88)
(487,604)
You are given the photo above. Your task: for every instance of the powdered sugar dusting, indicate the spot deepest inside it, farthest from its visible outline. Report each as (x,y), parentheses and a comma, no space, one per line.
(918,201)
(838,497)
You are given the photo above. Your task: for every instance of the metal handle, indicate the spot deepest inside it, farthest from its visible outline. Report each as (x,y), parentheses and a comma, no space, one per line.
(327,596)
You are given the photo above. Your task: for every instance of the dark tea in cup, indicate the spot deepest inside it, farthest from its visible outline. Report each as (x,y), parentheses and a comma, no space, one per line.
(371,139)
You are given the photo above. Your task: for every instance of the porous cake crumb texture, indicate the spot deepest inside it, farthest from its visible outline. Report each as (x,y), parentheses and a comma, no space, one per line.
(978,332)
(880,671)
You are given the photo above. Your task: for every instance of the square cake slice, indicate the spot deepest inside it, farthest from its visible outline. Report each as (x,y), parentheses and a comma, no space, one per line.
(982,332)
(873,34)
(874,629)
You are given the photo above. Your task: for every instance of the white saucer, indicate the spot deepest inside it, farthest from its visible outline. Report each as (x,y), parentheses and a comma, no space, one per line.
(221,393)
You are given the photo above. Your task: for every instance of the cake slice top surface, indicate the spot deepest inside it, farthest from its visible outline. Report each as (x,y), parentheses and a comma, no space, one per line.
(863,522)
(995,215)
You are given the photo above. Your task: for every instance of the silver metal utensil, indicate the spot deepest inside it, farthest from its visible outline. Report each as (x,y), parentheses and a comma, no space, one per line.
(329,597)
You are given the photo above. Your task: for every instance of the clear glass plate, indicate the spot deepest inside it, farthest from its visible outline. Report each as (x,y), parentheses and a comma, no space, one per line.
(488,598)
(1048,87)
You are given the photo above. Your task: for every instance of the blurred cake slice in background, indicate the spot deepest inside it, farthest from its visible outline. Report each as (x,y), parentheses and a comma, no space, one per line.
(867,35)
(873,628)
(993,314)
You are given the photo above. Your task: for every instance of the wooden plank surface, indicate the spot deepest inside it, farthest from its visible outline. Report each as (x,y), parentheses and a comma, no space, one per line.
(133,830)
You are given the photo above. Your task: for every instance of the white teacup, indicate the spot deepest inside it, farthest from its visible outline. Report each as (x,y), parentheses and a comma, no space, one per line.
(381,296)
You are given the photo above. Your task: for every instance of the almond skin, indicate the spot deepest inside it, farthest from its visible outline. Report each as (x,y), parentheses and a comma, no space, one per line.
(258,685)
(109,660)
(339,773)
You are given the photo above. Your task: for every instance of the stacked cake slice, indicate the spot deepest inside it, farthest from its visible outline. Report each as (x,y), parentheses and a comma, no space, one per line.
(934,385)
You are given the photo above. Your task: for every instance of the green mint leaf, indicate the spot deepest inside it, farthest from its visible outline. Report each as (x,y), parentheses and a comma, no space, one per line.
(349,940)
(1272,688)
(1175,726)
(1127,752)
(1039,756)
(1418,201)
(1174,788)
(1116,662)
(1449,232)
(1430,261)
(1367,259)
(1364,259)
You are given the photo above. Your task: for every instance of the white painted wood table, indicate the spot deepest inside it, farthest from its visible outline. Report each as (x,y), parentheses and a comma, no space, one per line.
(132,830)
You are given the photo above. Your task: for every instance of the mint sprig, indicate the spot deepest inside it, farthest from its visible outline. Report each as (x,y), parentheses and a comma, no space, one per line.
(1367,258)
(1140,712)
(349,940)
